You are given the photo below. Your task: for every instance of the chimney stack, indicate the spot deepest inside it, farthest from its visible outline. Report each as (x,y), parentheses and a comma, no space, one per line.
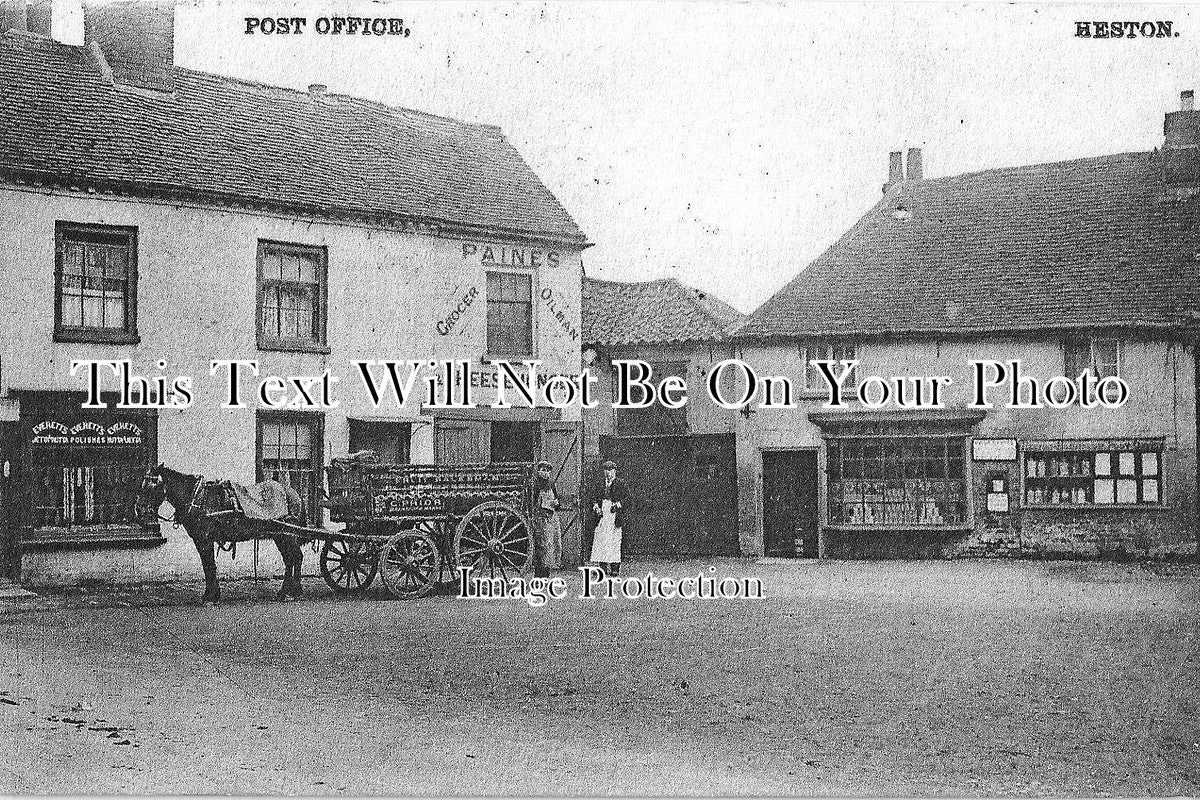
(914,171)
(25,15)
(895,169)
(1181,144)
(137,38)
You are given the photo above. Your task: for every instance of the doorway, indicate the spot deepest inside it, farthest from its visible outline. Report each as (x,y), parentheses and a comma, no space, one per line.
(790,504)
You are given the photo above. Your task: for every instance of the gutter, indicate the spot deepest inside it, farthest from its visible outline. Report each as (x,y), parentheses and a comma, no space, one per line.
(381,219)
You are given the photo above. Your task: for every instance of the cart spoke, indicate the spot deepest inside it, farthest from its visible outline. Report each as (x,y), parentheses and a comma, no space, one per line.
(515,526)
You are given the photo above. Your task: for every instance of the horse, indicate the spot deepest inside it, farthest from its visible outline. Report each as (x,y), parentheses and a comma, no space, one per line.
(203,509)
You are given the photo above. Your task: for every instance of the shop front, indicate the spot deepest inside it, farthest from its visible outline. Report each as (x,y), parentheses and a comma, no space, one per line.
(896,485)
(79,472)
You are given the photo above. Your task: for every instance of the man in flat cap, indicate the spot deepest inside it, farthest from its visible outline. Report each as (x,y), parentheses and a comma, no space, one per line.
(547,534)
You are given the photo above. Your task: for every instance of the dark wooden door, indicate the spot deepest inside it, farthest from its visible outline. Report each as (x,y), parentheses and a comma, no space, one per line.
(683,493)
(790,503)
(10,557)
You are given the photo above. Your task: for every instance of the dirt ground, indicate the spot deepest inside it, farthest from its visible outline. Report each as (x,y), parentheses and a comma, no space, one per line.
(850,678)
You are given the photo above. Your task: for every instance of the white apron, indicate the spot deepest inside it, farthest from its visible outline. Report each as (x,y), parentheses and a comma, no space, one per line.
(606,544)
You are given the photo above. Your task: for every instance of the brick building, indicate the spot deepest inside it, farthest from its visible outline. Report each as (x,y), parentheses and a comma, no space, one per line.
(154,213)
(1092,264)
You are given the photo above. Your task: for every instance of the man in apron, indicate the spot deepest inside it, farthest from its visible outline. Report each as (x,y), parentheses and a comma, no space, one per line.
(608,512)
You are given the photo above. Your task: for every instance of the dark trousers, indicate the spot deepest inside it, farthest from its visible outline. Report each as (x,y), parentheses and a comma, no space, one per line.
(540,568)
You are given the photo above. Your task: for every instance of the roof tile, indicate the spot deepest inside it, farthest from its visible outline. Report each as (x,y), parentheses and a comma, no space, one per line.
(60,117)
(1096,242)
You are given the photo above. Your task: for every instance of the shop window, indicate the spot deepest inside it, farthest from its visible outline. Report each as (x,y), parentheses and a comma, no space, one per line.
(897,482)
(814,381)
(656,419)
(514,441)
(290,448)
(509,314)
(1094,478)
(85,468)
(291,296)
(389,441)
(95,283)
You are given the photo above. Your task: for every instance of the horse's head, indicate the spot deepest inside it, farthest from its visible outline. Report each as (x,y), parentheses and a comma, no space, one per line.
(150,496)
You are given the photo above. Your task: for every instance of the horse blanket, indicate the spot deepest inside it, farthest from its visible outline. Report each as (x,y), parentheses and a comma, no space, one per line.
(269,500)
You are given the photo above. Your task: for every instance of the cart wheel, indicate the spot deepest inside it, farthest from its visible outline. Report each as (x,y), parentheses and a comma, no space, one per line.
(348,566)
(442,533)
(495,540)
(408,564)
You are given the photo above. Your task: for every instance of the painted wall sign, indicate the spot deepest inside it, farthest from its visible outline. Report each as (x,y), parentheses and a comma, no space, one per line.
(447,323)
(490,379)
(555,303)
(52,433)
(496,255)
(994,449)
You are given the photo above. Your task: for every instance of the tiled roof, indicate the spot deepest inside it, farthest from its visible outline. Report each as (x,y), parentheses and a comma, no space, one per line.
(233,140)
(661,311)
(1097,242)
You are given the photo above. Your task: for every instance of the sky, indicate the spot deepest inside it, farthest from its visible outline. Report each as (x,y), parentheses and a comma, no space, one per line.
(728,144)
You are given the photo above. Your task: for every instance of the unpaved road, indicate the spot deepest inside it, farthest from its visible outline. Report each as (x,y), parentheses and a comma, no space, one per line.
(954,678)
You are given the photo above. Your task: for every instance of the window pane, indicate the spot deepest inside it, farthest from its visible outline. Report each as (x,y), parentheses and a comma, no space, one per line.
(273,264)
(307,269)
(1126,491)
(1103,492)
(1103,463)
(1077,357)
(1150,490)
(1149,463)
(1125,463)
(1106,356)
(114,312)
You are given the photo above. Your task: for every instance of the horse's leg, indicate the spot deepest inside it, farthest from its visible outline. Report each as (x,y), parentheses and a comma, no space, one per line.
(297,565)
(285,551)
(208,560)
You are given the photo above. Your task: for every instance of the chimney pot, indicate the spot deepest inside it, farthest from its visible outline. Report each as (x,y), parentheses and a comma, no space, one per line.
(317,88)
(915,171)
(1186,100)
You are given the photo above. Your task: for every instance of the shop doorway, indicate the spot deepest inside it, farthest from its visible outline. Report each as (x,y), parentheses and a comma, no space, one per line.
(790,503)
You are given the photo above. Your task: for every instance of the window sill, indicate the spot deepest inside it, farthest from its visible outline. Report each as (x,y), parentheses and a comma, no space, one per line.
(89,336)
(293,347)
(89,537)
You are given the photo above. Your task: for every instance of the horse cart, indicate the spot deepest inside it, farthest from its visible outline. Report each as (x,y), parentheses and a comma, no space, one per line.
(414,525)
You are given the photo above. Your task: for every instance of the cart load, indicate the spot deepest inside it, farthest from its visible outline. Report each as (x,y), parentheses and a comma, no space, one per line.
(414,525)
